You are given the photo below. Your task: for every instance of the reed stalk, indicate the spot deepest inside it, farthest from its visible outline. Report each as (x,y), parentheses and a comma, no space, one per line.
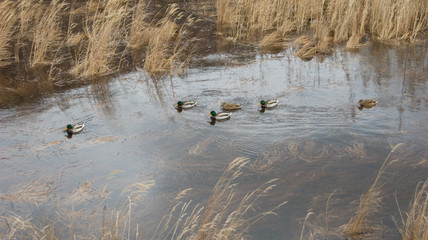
(369,203)
(415,224)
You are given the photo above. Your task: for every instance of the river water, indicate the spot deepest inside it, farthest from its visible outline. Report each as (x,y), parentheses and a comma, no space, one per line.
(316,141)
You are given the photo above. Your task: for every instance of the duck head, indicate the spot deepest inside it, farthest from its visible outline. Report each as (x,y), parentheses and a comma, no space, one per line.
(179,104)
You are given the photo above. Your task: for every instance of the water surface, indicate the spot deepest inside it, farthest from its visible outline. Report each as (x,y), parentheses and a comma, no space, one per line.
(316,141)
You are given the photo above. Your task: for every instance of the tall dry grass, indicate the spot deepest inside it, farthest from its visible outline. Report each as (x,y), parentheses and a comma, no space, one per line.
(104,32)
(7,27)
(348,20)
(223,217)
(67,40)
(168,48)
(83,214)
(415,223)
(370,201)
(47,37)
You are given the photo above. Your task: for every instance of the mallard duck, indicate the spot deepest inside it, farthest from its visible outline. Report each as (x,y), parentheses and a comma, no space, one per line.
(268,103)
(231,106)
(185,104)
(220,115)
(76,128)
(367,103)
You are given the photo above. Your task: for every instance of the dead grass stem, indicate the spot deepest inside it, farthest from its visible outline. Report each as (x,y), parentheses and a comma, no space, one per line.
(415,226)
(369,203)
(105,32)
(7,26)
(47,34)
(223,217)
(385,19)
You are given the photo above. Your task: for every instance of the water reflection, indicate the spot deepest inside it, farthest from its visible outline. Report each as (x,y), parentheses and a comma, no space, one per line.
(315,141)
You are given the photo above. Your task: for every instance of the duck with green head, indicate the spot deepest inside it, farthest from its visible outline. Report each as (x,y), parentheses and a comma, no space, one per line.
(72,129)
(268,103)
(220,115)
(185,104)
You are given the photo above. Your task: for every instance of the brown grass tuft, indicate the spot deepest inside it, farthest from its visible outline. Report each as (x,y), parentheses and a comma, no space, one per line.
(370,201)
(104,32)
(415,226)
(223,217)
(7,26)
(307,52)
(273,42)
(47,35)
(384,19)
(167,43)
(33,192)
(354,42)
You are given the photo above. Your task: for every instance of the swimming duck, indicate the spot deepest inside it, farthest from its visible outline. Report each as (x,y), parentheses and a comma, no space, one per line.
(185,104)
(268,103)
(231,106)
(367,103)
(76,128)
(220,115)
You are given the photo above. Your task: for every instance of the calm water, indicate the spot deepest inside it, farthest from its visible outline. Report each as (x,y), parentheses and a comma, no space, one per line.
(315,141)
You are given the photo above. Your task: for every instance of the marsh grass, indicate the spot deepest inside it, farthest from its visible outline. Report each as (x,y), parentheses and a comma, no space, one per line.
(414,223)
(370,202)
(7,23)
(83,214)
(225,216)
(63,42)
(337,20)
(104,35)
(47,36)
(273,42)
(385,19)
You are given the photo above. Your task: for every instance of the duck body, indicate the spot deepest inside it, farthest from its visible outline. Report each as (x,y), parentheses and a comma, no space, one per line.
(268,103)
(367,103)
(185,104)
(231,106)
(73,129)
(220,115)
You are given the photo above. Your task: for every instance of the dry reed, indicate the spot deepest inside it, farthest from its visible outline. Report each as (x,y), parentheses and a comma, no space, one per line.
(223,217)
(359,225)
(7,25)
(77,218)
(415,226)
(95,38)
(104,35)
(273,42)
(385,19)
(47,35)
(82,214)
(166,44)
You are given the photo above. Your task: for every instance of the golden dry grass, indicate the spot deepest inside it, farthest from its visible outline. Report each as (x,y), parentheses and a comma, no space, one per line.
(360,224)
(166,43)
(273,42)
(96,38)
(385,19)
(47,36)
(104,33)
(82,214)
(415,222)
(7,25)
(223,217)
